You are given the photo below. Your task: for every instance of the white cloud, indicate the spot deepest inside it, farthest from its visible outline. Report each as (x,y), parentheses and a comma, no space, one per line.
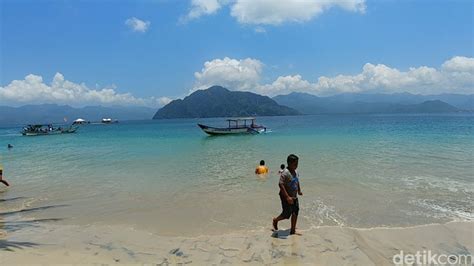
(32,90)
(422,80)
(260,29)
(459,64)
(203,7)
(285,85)
(456,75)
(164,101)
(137,25)
(231,73)
(272,12)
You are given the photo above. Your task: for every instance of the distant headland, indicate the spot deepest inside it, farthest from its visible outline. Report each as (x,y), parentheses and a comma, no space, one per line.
(218,101)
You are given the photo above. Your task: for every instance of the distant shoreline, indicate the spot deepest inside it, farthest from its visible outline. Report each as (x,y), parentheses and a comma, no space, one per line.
(19,124)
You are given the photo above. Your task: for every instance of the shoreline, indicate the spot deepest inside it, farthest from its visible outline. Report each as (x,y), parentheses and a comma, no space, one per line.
(50,243)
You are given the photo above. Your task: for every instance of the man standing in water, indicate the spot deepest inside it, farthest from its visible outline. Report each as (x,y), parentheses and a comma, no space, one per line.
(289,189)
(1,177)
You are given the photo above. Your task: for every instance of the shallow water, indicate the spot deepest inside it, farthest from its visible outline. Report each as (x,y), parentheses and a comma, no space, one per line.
(168,177)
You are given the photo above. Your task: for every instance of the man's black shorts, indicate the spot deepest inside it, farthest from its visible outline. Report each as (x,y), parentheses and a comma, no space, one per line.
(289,209)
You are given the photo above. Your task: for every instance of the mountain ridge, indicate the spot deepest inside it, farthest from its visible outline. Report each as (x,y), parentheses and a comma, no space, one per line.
(217,101)
(290,104)
(376,103)
(54,113)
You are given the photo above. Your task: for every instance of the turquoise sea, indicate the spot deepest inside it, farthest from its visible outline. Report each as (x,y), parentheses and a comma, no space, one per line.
(168,177)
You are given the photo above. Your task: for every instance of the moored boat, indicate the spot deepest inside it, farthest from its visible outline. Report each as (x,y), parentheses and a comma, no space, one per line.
(108,121)
(41,130)
(241,125)
(80,121)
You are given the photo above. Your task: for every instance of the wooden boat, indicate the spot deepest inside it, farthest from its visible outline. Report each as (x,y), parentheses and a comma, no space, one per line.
(80,121)
(236,126)
(108,121)
(41,130)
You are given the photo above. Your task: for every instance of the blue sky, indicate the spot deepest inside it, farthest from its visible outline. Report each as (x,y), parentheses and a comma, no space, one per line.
(90,42)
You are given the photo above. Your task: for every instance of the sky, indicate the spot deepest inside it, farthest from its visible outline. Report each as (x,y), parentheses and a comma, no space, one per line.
(152,51)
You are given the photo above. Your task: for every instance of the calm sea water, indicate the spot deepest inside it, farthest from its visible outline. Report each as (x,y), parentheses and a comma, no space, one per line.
(170,178)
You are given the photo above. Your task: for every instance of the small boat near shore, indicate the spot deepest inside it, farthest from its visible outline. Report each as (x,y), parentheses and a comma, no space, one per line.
(241,125)
(80,121)
(108,121)
(41,130)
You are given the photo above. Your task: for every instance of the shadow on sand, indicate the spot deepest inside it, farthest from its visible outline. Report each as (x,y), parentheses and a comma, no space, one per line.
(19,225)
(282,234)
(13,226)
(12,199)
(32,209)
(11,245)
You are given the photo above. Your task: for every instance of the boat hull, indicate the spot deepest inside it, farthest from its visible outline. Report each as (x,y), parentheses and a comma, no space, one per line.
(230,131)
(54,132)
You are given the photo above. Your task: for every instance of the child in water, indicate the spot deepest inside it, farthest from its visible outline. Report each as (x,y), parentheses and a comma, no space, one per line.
(261,169)
(282,168)
(289,189)
(1,177)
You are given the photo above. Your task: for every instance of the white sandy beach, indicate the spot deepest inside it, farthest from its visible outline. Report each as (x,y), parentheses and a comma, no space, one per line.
(330,245)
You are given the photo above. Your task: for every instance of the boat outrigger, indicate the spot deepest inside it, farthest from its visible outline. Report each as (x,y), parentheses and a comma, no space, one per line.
(40,130)
(241,125)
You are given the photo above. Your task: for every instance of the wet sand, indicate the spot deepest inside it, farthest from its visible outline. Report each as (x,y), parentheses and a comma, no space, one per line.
(45,242)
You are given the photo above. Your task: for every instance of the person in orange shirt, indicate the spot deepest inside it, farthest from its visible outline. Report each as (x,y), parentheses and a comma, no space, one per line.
(261,169)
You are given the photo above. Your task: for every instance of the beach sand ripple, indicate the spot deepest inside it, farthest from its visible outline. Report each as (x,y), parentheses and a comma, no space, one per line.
(329,245)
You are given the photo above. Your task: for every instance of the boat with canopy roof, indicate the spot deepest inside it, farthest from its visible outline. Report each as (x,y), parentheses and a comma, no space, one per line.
(40,130)
(239,125)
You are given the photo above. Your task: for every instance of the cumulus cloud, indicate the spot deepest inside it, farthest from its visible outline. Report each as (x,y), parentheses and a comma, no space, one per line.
(277,12)
(34,90)
(137,25)
(164,101)
(272,12)
(203,7)
(241,74)
(456,75)
(284,85)
(459,64)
